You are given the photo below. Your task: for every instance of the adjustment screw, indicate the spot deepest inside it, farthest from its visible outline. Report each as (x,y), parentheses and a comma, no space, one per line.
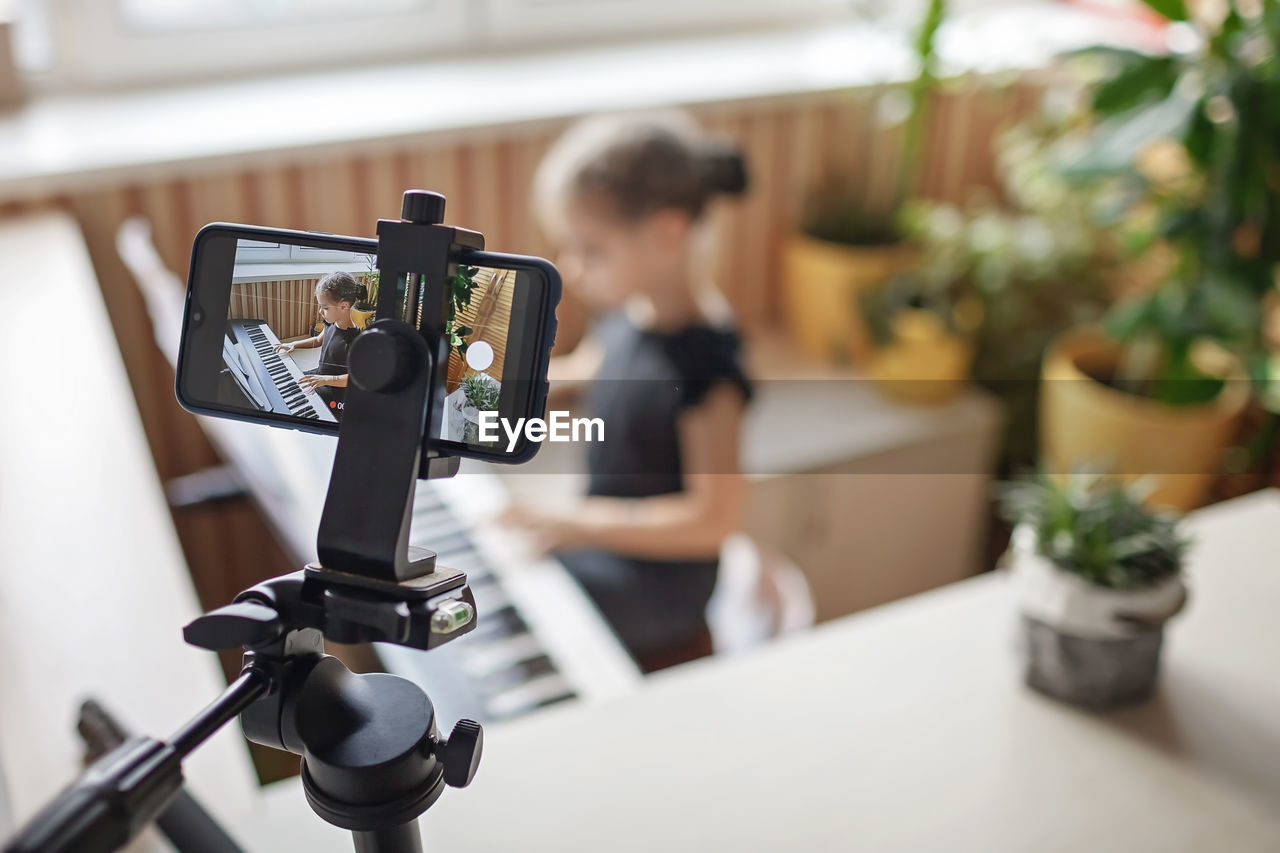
(461,753)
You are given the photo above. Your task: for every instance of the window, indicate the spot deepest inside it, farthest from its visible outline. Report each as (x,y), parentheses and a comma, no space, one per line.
(192,15)
(259,252)
(103,43)
(107,43)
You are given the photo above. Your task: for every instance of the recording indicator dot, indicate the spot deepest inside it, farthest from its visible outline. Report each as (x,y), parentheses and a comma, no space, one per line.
(479,355)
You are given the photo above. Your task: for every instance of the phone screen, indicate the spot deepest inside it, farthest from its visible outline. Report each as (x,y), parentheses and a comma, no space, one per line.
(293,311)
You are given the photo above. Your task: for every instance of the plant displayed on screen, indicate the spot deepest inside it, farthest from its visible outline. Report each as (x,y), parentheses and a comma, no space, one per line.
(370,279)
(461,287)
(481,392)
(1098,528)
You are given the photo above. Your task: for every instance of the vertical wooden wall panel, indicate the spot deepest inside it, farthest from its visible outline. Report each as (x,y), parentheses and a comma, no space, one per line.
(273,197)
(795,146)
(380,191)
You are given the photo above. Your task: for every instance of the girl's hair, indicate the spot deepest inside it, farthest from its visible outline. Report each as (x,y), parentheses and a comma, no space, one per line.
(342,287)
(640,163)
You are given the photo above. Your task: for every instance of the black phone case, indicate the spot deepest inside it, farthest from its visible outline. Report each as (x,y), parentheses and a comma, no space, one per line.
(546,333)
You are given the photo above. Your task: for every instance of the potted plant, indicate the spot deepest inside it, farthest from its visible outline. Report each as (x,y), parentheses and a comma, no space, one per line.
(845,248)
(1097,575)
(362,312)
(477,392)
(461,287)
(922,337)
(1186,138)
(1002,277)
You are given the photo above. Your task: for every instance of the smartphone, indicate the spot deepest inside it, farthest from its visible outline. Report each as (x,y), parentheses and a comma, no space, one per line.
(271,314)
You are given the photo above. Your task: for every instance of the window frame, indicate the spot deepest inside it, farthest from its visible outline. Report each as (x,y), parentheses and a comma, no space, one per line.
(90,45)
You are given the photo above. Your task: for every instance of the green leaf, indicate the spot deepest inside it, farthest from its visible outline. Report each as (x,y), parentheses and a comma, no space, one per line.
(1129,318)
(1118,140)
(1174,10)
(1199,137)
(1141,80)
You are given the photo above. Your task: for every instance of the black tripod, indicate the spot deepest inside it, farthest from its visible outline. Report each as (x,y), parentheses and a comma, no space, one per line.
(372,758)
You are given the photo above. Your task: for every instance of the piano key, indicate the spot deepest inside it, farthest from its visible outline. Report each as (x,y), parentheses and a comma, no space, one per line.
(525,697)
(276,373)
(480,659)
(525,670)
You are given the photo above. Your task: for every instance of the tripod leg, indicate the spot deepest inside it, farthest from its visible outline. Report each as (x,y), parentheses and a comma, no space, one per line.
(404,838)
(184,821)
(191,829)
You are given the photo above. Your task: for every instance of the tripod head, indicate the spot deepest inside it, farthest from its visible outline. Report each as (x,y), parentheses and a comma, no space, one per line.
(372,757)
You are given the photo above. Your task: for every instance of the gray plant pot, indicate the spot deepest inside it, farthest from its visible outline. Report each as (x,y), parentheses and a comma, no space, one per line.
(1095,673)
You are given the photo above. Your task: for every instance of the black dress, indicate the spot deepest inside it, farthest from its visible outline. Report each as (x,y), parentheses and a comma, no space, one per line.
(335,344)
(646,380)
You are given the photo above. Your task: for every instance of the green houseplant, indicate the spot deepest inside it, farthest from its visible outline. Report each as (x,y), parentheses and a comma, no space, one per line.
(1005,275)
(1187,140)
(477,392)
(846,246)
(1098,574)
(461,288)
(364,310)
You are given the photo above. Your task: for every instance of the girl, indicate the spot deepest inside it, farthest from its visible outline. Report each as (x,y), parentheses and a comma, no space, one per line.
(336,293)
(625,201)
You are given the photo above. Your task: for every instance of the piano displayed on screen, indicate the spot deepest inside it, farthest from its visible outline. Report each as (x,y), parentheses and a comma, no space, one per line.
(268,379)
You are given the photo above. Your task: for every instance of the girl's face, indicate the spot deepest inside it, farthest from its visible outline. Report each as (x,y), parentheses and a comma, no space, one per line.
(331,311)
(606,259)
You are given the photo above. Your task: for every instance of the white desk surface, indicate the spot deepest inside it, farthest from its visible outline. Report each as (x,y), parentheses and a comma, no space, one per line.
(94,589)
(903,728)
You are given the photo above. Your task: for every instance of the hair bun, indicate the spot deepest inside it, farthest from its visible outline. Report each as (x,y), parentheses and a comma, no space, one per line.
(724,169)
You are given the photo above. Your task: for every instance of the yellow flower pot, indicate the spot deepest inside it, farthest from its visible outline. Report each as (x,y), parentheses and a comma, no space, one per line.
(362,319)
(925,363)
(1085,423)
(822,282)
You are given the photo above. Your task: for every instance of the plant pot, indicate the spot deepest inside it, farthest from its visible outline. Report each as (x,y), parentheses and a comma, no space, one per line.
(822,281)
(1088,645)
(464,420)
(925,364)
(361,318)
(1087,424)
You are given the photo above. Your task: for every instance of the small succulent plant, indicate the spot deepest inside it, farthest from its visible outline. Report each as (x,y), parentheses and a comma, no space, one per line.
(481,391)
(1098,528)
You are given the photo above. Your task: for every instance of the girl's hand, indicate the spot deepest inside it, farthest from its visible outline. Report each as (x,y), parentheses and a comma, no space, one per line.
(310,382)
(547,531)
(283,347)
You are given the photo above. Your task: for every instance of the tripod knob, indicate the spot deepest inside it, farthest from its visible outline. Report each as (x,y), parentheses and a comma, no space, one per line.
(381,361)
(461,753)
(422,207)
(245,623)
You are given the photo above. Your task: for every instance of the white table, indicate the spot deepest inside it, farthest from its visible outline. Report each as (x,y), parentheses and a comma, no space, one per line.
(905,727)
(94,589)
(902,728)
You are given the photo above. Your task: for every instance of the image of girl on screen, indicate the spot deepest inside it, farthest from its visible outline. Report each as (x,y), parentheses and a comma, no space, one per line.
(336,294)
